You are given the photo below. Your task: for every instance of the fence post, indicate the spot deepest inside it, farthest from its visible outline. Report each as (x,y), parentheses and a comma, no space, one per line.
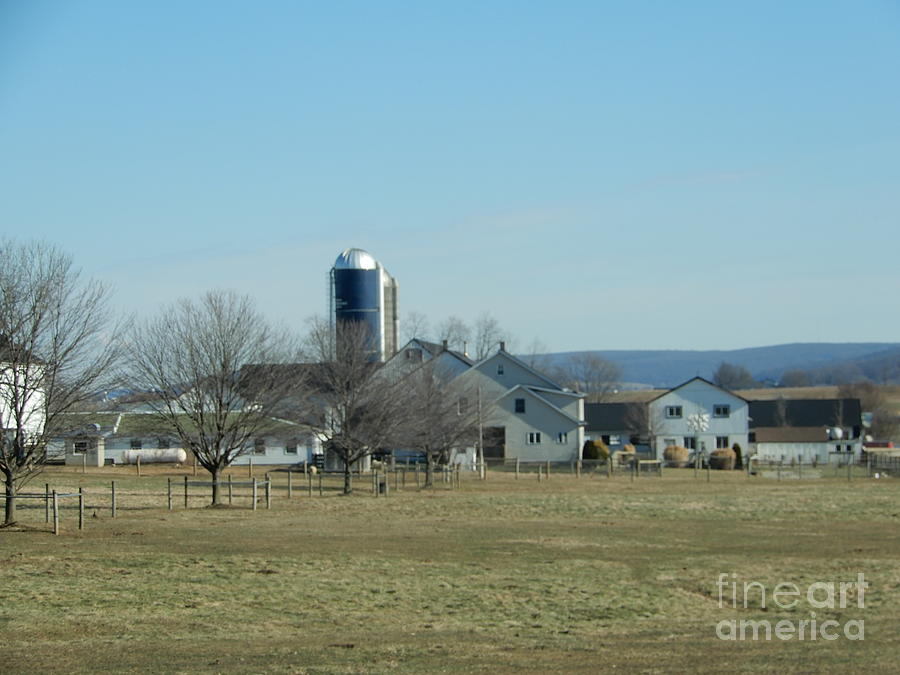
(396,479)
(268,492)
(290,484)
(55,513)
(114,499)
(375,483)
(780,462)
(548,468)
(195,465)
(321,494)
(84,463)
(696,464)
(799,467)
(609,466)
(417,474)
(633,468)
(185,492)
(517,468)
(708,469)
(254,494)
(387,482)
(169,492)
(849,469)
(81,508)
(577,468)
(230,490)
(540,473)
(46,502)
(869,466)
(457,475)
(309,483)
(250,467)
(138,466)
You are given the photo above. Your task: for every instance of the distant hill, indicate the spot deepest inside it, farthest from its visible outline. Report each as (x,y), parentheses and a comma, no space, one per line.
(826,361)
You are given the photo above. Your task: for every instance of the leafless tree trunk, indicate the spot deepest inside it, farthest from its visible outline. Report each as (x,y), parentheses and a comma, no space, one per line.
(443,415)
(357,407)
(57,347)
(219,370)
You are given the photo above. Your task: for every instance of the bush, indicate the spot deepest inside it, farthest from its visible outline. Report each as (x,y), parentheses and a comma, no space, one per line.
(676,456)
(594,450)
(723,459)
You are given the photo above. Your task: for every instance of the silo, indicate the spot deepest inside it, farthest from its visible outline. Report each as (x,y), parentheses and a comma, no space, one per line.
(363,291)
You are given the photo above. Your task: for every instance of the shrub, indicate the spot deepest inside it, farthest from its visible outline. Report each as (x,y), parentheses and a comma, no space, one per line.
(676,456)
(723,459)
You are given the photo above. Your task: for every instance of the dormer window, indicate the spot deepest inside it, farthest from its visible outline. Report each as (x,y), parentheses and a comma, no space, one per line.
(499,368)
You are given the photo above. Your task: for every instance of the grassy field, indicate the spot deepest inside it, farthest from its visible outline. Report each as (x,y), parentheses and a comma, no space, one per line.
(572,575)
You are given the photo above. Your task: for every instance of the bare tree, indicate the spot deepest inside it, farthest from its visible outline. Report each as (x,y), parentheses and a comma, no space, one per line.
(443,416)
(356,407)
(488,334)
(590,374)
(192,355)
(415,325)
(731,376)
(537,357)
(455,331)
(55,352)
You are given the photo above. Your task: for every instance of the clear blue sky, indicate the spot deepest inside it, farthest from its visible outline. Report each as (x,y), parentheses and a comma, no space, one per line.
(598,175)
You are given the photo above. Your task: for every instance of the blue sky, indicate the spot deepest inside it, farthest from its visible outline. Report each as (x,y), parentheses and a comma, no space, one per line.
(597,175)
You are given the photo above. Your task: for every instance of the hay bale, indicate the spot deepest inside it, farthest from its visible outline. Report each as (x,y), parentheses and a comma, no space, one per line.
(676,456)
(722,459)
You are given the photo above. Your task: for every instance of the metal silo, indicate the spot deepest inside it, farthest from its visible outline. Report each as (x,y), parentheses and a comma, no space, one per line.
(363,291)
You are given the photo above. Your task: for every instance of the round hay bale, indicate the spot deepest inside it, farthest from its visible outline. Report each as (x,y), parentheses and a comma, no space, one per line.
(676,456)
(722,459)
(625,455)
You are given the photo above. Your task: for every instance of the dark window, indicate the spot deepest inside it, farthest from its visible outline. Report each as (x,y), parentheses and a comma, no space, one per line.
(136,444)
(673,411)
(81,447)
(534,437)
(520,405)
(721,441)
(690,442)
(499,368)
(290,446)
(164,443)
(721,410)
(414,355)
(259,446)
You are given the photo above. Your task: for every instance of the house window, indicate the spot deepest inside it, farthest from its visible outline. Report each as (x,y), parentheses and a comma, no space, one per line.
(520,405)
(534,437)
(669,442)
(81,447)
(721,442)
(259,446)
(751,437)
(414,355)
(462,406)
(562,437)
(673,411)
(721,410)
(499,368)
(136,444)
(163,443)
(290,446)
(690,442)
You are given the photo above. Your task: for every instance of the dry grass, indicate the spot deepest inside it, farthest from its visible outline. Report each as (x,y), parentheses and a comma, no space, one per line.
(505,575)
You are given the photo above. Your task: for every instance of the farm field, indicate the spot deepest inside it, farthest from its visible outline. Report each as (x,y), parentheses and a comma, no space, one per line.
(570,574)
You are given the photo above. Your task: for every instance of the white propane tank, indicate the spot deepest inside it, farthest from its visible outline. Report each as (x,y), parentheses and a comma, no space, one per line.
(162,456)
(835,433)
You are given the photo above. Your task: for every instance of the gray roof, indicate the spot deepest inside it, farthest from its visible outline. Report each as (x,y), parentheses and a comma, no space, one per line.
(843,412)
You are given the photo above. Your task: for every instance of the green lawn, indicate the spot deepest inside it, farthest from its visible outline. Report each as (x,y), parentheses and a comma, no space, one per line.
(568,574)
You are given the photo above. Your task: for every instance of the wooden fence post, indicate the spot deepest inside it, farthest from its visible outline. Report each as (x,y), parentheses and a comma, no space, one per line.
(230,490)
(375,483)
(609,466)
(869,466)
(55,513)
(309,483)
(46,502)
(169,492)
(195,465)
(540,473)
(185,492)
(417,474)
(81,508)
(290,484)
(138,462)
(268,492)
(849,469)
(517,468)
(708,470)
(577,468)
(254,494)
(321,493)
(250,467)
(84,463)
(114,499)
(780,462)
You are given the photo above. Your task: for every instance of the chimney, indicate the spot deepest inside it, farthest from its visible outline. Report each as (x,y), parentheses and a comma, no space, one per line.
(444,345)
(502,346)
